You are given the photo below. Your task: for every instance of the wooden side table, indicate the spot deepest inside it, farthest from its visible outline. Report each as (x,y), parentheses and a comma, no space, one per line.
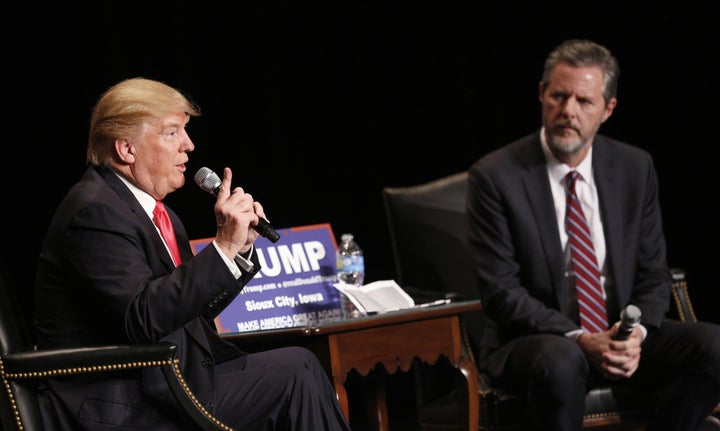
(392,339)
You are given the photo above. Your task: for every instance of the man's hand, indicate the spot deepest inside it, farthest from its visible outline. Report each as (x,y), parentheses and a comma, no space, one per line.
(611,358)
(235,212)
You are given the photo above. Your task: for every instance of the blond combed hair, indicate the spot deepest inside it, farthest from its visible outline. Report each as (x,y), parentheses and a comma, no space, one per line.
(127,105)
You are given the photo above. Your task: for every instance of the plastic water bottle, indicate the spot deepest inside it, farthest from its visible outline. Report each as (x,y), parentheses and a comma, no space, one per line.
(350,270)
(350,261)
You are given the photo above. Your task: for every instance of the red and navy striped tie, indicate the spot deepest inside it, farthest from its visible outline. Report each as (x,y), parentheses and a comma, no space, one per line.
(593,314)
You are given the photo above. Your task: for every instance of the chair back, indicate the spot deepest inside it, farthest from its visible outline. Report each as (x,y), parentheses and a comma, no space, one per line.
(428,226)
(15,336)
(428,235)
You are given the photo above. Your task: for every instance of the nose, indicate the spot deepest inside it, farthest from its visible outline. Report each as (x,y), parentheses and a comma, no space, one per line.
(188,144)
(570,107)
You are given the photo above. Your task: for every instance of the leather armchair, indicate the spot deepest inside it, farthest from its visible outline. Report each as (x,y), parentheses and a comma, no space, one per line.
(23,368)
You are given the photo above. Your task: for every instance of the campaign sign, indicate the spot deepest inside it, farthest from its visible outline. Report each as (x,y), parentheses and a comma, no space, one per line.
(294,286)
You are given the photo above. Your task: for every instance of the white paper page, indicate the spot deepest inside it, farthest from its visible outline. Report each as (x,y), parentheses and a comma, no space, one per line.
(377,297)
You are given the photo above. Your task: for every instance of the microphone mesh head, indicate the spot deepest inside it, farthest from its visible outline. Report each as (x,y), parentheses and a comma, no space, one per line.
(631,314)
(207,180)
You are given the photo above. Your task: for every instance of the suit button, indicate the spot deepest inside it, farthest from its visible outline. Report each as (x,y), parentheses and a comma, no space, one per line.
(207,363)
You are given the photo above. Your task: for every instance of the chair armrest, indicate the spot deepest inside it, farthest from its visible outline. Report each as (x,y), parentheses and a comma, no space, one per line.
(17,368)
(88,359)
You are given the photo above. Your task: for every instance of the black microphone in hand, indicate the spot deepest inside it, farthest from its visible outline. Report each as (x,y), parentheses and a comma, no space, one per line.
(629,319)
(211,182)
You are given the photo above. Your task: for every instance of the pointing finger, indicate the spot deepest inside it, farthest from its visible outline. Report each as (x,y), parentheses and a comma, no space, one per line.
(224,191)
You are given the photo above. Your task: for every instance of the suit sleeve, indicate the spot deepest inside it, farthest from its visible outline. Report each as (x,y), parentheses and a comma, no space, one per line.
(651,283)
(128,283)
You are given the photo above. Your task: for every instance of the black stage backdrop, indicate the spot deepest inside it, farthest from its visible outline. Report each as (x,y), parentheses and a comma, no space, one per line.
(318,105)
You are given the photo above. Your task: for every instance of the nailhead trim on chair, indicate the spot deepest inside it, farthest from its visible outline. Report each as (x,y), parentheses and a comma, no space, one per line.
(84,370)
(680,304)
(97,369)
(195,401)
(613,415)
(10,396)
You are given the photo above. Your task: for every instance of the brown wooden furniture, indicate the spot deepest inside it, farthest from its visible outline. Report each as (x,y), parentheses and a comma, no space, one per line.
(393,340)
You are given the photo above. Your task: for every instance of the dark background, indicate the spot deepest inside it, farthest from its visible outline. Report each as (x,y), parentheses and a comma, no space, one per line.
(318,105)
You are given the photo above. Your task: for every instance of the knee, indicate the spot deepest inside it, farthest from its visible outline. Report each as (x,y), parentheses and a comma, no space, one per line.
(303,361)
(559,373)
(561,360)
(302,355)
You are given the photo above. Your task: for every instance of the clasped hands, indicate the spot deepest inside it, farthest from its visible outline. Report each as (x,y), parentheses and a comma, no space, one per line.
(613,359)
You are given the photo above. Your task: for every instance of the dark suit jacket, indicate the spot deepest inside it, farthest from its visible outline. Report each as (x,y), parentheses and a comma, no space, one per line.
(105,277)
(516,245)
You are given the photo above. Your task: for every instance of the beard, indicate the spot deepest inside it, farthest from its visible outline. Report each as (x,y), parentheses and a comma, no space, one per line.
(567,144)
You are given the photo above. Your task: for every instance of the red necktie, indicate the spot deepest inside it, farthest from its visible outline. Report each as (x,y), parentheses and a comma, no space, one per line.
(591,304)
(162,221)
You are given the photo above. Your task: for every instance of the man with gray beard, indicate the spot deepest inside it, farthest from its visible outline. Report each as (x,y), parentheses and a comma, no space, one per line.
(555,298)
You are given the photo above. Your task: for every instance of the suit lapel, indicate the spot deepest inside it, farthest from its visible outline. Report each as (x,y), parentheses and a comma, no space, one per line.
(604,172)
(126,195)
(537,189)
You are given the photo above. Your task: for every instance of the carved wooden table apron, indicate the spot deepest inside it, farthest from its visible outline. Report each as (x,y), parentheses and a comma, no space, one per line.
(392,339)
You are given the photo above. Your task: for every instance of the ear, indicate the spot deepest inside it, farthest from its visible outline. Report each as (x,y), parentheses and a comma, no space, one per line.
(541,89)
(609,109)
(125,151)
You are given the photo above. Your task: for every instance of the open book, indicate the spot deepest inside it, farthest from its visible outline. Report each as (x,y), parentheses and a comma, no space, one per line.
(380,296)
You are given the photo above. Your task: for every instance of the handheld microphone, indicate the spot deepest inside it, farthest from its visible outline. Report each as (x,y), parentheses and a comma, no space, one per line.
(629,319)
(211,182)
